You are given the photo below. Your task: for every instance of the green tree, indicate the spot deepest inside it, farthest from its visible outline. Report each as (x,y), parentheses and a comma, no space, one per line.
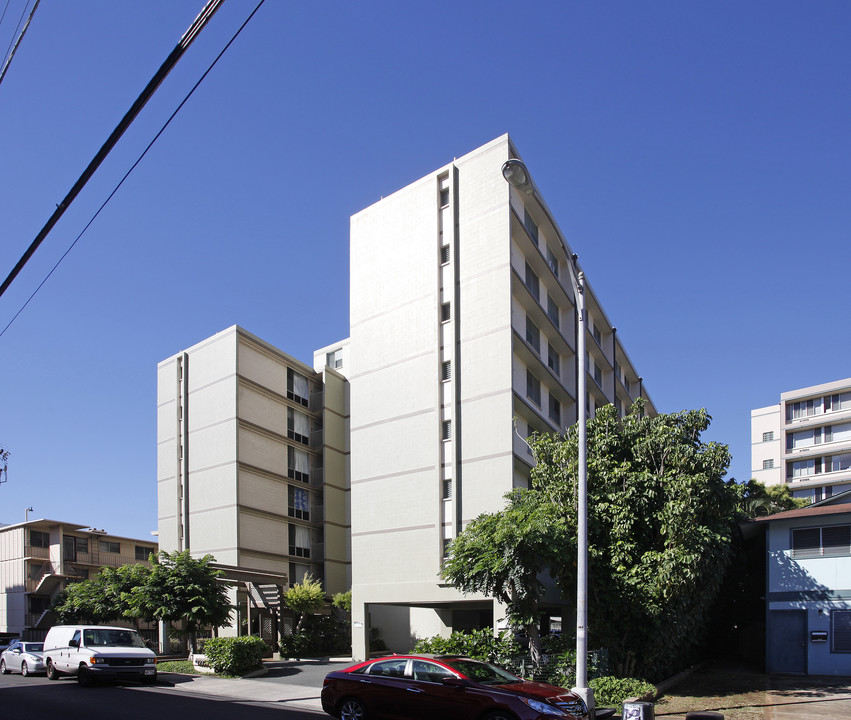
(758,500)
(660,519)
(304,598)
(104,598)
(504,554)
(179,587)
(343,601)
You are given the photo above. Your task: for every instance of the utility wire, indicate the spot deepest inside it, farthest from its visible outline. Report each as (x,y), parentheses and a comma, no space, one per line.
(138,160)
(160,75)
(18,41)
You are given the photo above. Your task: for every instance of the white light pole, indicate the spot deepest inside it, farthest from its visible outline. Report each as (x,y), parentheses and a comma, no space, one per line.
(515,172)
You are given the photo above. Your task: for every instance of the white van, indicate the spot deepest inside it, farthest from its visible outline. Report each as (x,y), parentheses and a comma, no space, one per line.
(98,652)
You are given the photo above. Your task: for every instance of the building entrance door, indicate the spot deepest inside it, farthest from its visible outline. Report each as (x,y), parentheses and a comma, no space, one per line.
(787,642)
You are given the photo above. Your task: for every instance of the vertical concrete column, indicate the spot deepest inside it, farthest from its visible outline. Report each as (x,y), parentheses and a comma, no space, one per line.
(360,630)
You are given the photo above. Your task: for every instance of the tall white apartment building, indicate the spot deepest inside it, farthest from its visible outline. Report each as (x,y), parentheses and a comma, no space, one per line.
(252,468)
(805,441)
(463,342)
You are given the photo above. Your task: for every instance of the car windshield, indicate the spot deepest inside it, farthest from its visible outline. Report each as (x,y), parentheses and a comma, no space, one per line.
(104,637)
(33,647)
(482,672)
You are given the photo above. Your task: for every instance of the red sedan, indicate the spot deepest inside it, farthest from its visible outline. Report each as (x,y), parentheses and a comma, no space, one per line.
(410,687)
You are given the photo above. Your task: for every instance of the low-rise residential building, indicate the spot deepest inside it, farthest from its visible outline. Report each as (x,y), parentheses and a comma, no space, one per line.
(805,441)
(808,602)
(38,558)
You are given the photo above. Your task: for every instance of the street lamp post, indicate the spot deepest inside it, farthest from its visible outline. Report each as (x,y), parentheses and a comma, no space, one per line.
(516,174)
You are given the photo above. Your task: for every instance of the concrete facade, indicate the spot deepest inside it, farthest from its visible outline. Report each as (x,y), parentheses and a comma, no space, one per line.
(39,558)
(463,340)
(252,469)
(805,441)
(808,602)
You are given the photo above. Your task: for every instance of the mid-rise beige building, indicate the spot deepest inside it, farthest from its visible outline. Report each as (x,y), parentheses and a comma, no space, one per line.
(463,342)
(805,441)
(252,469)
(39,558)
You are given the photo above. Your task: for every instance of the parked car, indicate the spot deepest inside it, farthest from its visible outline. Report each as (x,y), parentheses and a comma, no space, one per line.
(450,687)
(23,657)
(93,652)
(5,642)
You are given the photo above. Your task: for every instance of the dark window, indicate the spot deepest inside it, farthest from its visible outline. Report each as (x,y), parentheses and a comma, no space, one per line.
(555,410)
(533,388)
(533,335)
(444,254)
(298,387)
(447,489)
(299,503)
(142,553)
(444,197)
(530,226)
(446,370)
(821,541)
(109,546)
(840,621)
(532,282)
(39,539)
(445,312)
(446,430)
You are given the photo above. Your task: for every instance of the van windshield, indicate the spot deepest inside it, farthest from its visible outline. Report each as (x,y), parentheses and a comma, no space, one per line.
(101,637)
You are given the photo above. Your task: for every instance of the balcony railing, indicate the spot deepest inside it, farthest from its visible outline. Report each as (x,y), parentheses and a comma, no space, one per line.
(37,552)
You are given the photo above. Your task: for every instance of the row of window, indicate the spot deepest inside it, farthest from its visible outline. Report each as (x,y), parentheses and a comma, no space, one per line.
(533,392)
(819,465)
(828,541)
(837,402)
(73,544)
(818,436)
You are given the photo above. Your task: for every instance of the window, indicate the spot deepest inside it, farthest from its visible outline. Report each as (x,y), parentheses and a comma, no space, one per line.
(447,489)
(552,261)
(298,503)
(552,310)
(838,402)
(444,254)
(444,197)
(618,406)
(445,312)
(298,426)
(298,464)
(429,672)
(803,408)
(768,436)
(533,388)
(767,464)
(73,545)
(530,226)
(598,375)
(555,410)
(533,335)
(39,539)
(595,331)
(827,541)
(142,553)
(553,359)
(298,387)
(533,285)
(299,541)
(334,359)
(840,626)
(446,370)
(446,430)
(109,546)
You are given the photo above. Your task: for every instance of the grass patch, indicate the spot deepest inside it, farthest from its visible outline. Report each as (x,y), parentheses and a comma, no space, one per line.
(177,666)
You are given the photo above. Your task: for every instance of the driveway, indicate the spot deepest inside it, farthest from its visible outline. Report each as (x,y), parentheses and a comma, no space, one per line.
(808,698)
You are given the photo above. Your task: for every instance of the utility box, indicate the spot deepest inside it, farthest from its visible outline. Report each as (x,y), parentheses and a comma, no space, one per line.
(638,711)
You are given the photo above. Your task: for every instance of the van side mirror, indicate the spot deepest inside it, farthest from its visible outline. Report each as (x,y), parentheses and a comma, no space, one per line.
(73,642)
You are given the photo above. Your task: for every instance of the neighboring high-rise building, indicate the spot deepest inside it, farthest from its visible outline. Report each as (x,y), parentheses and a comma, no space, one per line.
(805,441)
(39,558)
(252,469)
(463,338)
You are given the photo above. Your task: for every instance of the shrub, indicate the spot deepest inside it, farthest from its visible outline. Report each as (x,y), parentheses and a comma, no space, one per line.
(321,635)
(476,644)
(611,691)
(235,655)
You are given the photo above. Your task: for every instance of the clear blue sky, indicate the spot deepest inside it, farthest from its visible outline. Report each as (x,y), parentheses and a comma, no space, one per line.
(696,155)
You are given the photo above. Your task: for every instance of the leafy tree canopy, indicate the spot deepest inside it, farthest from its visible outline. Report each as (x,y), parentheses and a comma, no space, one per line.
(660,522)
(758,500)
(504,554)
(305,597)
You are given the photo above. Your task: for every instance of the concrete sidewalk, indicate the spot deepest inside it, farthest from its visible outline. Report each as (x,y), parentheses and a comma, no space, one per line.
(281,692)
(808,698)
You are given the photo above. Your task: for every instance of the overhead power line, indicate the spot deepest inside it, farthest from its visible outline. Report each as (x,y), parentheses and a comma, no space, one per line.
(160,75)
(138,160)
(18,42)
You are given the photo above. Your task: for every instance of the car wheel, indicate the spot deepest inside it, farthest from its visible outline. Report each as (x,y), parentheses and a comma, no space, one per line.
(84,677)
(52,672)
(24,670)
(352,709)
(3,669)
